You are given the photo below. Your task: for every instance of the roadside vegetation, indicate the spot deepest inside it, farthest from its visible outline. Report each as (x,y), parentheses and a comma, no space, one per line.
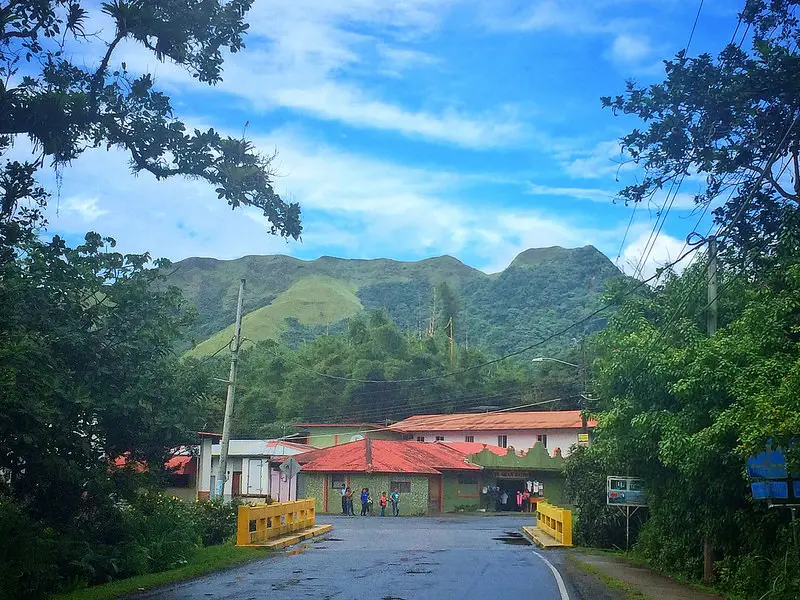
(682,409)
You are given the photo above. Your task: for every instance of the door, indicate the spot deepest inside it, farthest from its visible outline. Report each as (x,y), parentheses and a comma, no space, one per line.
(434,495)
(236,484)
(254,477)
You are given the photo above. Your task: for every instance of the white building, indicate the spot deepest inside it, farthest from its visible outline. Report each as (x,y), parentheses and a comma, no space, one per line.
(252,469)
(520,430)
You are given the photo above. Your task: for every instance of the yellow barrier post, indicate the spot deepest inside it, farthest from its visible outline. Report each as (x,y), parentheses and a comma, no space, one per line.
(555,522)
(260,523)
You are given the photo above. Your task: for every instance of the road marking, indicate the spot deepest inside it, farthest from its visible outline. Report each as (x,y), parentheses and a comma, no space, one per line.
(561,587)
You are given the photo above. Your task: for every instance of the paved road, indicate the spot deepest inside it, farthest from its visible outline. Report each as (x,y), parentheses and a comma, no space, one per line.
(394,558)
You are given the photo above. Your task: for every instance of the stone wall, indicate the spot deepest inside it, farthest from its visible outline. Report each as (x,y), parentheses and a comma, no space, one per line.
(413,503)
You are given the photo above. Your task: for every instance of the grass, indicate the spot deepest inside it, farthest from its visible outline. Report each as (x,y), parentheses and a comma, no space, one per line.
(205,560)
(313,300)
(611,582)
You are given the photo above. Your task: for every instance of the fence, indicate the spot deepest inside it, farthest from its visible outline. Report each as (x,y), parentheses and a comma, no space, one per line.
(555,522)
(262,522)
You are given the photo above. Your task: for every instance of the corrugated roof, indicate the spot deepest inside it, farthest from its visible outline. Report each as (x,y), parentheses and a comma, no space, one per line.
(370,425)
(507,421)
(288,444)
(387,456)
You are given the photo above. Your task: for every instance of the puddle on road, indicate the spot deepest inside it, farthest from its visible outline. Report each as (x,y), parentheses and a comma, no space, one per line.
(296,551)
(513,541)
(285,584)
(515,534)
(418,571)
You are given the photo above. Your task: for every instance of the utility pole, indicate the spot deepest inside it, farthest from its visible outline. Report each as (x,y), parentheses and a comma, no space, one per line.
(711,324)
(226,425)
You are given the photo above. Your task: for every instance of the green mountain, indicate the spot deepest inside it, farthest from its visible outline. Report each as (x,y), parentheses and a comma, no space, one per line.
(290,300)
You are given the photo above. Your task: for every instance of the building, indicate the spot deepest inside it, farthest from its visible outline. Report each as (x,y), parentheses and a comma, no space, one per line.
(519,430)
(325,435)
(252,469)
(431,478)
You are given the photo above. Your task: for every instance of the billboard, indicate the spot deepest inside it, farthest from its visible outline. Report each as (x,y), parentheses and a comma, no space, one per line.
(625,491)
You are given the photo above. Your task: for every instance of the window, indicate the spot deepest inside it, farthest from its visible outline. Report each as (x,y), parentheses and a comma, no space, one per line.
(502,441)
(468,486)
(467,479)
(469,438)
(542,437)
(337,482)
(404,487)
(439,438)
(420,438)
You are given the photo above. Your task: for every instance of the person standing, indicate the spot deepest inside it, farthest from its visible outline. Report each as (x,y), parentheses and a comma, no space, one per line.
(348,499)
(344,500)
(364,501)
(383,501)
(395,503)
(519,500)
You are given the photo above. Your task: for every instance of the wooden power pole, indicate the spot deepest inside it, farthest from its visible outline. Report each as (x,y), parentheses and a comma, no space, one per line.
(226,425)
(711,324)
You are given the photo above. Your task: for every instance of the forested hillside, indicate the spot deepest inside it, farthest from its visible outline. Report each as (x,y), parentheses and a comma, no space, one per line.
(293,301)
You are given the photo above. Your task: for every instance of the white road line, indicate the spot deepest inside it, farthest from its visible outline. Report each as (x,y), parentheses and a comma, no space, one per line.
(561,587)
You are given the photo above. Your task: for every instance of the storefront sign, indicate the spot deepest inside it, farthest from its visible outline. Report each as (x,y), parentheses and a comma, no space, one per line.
(512,474)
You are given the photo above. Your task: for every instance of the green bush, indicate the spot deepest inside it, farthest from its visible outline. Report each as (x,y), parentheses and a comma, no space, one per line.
(216,520)
(163,533)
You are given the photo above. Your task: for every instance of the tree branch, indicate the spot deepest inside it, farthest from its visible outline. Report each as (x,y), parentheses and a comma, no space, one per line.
(767,174)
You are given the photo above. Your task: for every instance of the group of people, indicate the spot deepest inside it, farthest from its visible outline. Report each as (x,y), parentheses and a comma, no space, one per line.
(366,502)
(523,500)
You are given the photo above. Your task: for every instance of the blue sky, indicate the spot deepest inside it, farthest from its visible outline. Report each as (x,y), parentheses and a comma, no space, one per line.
(413,128)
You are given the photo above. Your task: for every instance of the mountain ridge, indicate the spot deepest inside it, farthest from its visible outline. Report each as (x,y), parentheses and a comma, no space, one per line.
(291,299)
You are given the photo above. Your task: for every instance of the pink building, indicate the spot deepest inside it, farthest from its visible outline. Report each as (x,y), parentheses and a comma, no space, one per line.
(520,430)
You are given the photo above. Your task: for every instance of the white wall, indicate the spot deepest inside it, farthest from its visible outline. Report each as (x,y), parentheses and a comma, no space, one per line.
(282,490)
(204,468)
(520,440)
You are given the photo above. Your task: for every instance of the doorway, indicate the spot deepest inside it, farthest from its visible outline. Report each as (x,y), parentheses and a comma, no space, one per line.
(509,488)
(434,495)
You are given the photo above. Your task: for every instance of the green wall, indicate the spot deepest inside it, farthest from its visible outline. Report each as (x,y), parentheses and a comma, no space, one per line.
(461,495)
(414,503)
(325,437)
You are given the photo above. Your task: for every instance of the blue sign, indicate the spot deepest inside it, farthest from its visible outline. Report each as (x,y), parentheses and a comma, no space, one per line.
(767,465)
(770,490)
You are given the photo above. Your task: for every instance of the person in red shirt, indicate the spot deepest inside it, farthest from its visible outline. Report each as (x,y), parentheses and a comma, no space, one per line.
(383,501)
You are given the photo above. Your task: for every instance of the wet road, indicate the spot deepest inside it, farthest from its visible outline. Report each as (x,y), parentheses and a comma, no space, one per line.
(393,558)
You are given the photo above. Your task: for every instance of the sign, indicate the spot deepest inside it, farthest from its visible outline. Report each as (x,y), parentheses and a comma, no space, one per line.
(511,474)
(767,465)
(583,438)
(290,467)
(770,479)
(625,491)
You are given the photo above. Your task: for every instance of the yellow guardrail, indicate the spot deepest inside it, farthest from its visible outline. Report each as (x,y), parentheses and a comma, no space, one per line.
(262,522)
(555,522)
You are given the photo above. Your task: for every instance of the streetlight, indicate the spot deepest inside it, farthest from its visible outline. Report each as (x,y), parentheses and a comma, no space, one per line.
(558,360)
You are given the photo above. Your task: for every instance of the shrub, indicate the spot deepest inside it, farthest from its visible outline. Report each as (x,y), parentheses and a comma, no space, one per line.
(216,520)
(164,527)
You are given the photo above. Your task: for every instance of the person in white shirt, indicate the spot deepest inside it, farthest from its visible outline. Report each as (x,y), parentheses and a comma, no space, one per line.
(344,501)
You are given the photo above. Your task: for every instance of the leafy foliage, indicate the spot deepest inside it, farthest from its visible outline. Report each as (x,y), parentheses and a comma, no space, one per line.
(66,108)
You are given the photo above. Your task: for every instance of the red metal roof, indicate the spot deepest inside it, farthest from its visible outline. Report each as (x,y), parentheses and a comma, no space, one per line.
(555,419)
(385,456)
(370,425)
(288,444)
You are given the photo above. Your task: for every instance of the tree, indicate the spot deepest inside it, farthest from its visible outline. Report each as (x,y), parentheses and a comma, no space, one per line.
(66,107)
(732,120)
(87,373)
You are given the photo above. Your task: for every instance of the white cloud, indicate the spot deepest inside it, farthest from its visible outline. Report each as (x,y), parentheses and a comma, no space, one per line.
(665,250)
(591,194)
(630,48)
(603,160)
(305,56)
(86,208)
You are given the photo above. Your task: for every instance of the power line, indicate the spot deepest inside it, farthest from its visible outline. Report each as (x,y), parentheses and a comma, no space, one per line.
(694,26)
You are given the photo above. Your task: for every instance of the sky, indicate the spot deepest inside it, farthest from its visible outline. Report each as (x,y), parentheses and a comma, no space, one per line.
(412,128)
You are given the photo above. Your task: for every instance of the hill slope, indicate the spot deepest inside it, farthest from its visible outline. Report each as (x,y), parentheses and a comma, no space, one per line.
(288,299)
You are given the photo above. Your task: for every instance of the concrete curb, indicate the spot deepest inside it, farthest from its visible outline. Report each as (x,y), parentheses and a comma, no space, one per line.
(294,538)
(540,538)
